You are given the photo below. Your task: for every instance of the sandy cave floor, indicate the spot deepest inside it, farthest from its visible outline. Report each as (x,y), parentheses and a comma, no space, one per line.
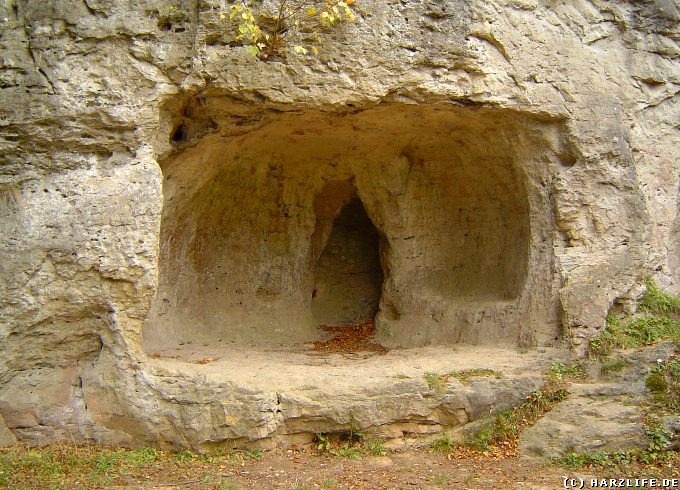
(279,366)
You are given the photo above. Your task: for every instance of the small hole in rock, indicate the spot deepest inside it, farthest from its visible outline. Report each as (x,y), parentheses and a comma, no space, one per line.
(179,134)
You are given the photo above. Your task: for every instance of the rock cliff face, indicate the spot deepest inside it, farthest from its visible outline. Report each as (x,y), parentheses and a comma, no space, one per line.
(508,171)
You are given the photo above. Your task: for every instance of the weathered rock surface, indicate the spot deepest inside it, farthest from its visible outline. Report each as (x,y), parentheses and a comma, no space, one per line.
(606,414)
(672,424)
(7,438)
(519,161)
(242,235)
(588,422)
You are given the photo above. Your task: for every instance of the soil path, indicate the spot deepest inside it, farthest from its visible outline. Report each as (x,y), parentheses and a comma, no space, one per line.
(413,469)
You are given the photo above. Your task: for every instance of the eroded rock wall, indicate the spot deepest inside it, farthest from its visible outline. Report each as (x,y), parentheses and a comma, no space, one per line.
(458,196)
(100,106)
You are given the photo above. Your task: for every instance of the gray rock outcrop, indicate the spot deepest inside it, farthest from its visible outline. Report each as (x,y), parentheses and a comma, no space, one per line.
(160,188)
(605,414)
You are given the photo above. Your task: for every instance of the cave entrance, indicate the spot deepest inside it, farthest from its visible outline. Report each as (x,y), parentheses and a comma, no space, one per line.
(435,220)
(348,277)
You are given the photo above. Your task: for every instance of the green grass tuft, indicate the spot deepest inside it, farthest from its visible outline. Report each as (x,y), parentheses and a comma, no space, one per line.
(560,371)
(659,320)
(633,332)
(664,385)
(170,15)
(655,452)
(440,481)
(656,301)
(54,466)
(375,447)
(348,451)
(613,366)
(464,375)
(436,382)
(443,444)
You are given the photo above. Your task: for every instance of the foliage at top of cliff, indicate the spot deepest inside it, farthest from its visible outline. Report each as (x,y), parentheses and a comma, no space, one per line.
(271,28)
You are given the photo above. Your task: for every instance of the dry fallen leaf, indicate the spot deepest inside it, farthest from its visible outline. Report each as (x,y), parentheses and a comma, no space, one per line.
(205,360)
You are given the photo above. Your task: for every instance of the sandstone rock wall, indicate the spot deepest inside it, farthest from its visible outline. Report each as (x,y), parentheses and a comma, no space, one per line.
(555,123)
(461,207)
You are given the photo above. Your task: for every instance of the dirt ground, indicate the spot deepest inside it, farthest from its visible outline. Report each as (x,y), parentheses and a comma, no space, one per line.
(414,469)
(67,467)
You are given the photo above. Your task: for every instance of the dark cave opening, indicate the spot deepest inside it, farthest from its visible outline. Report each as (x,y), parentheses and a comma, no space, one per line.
(348,277)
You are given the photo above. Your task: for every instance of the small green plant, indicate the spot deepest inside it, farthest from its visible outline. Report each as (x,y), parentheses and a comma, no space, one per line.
(267,30)
(574,460)
(375,447)
(464,375)
(354,434)
(351,448)
(443,444)
(254,455)
(436,382)
(656,383)
(58,466)
(600,459)
(323,442)
(656,301)
(562,371)
(663,382)
(216,455)
(329,484)
(659,442)
(187,455)
(301,486)
(660,320)
(647,330)
(171,15)
(440,481)
(612,366)
(480,439)
(655,452)
(43,465)
(633,332)
(107,460)
(348,450)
